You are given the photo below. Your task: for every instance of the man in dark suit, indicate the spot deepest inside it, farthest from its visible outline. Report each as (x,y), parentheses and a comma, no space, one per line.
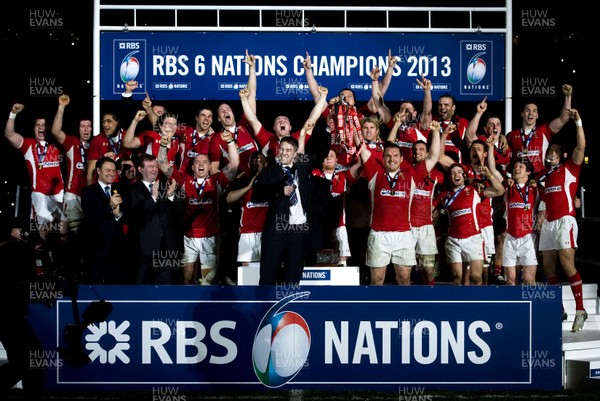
(292,194)
(103,232)
(153,227)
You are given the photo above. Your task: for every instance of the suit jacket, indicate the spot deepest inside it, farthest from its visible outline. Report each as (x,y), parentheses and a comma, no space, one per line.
(268,187)
(101,232)
(153,223)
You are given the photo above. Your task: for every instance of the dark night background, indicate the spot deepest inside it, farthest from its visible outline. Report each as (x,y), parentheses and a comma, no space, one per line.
(61,57)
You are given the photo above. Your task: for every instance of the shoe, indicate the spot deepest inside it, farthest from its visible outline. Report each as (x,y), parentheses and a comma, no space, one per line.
(228,281)
(580,318)
(564,316)
(497,279)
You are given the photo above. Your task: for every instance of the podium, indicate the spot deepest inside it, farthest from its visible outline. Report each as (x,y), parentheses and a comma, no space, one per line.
(312,275)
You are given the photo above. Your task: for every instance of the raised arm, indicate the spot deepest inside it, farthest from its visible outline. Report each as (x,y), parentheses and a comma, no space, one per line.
(63,101)
(385,81)
(249,111)
(376,102)
(147,105)
(496,188)
(559,122)
(471,133)
(250,60)
(130,140)
(320,105)
(445,160)
(15,139)
(306,130)
(426,115)
(163,158)
(434,148)
(491,159)
(579,151)
(234,157)
(313,86)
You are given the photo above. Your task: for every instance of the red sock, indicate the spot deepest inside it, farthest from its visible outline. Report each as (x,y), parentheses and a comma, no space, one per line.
(497,270)
(577,289)
(432,282)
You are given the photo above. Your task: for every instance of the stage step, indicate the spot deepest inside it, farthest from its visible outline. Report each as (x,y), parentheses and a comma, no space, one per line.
(579,370)
(581,350)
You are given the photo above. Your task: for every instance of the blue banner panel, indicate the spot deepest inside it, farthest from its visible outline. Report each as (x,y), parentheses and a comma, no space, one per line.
(210,66)
(312,337)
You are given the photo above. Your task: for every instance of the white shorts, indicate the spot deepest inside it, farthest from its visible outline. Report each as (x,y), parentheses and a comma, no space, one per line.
(558,234)
(488,240)
(519,251)
(72,207)
(341,235)
(464,249)
(204,249)
(384,247)
(249,247)
(47,208)
(426,239)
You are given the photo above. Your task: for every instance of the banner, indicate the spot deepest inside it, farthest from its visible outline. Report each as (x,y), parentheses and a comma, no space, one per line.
(259,337)
(210,66)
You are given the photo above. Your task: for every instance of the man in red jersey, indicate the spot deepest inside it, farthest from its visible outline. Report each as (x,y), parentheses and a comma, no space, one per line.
(465,243)
(202,190)
(43,165)
(75,149)
(558,236)
(426,179)
(521,200)
(218,151)
(532,139)
(391,186)
(196,140)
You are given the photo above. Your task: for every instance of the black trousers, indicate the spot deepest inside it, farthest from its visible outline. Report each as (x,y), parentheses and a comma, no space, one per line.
(282,255)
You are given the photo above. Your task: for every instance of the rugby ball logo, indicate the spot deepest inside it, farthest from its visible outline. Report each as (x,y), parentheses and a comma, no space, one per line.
(281,344)
(476,69)
(130,67)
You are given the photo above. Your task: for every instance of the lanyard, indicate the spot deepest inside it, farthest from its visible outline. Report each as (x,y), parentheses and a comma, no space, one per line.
(200,187)
(527,140)
(196,138)
(525,197)
(545,176)
(450,200)
(116,146)
(41,154)
(83,152)
(392,181)
(235,132)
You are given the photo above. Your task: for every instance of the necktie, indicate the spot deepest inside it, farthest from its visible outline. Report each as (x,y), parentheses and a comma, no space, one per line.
(290,181)
(107,191)
(150,187)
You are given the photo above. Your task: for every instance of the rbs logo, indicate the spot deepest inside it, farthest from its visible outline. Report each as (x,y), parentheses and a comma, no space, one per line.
(476,46)
(129,46)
